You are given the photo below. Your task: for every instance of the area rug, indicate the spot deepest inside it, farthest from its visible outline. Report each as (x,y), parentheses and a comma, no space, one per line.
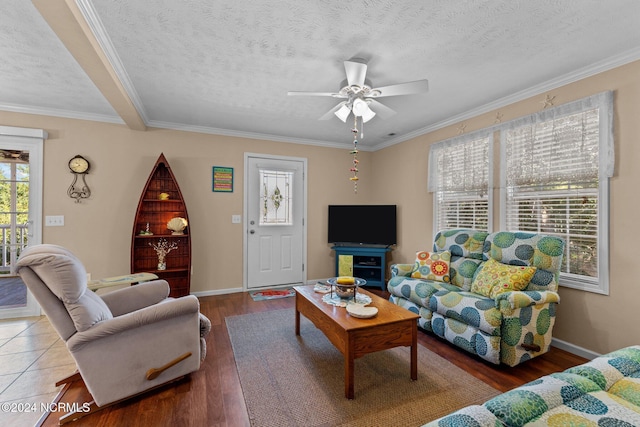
(272,294)
(299,381)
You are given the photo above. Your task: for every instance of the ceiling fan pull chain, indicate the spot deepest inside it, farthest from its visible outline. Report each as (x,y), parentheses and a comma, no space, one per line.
(354,168)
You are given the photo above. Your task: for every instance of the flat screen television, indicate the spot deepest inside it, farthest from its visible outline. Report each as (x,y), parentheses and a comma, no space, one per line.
(362,225)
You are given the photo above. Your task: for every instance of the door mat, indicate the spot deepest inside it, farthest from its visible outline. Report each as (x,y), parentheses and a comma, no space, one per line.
(272,294)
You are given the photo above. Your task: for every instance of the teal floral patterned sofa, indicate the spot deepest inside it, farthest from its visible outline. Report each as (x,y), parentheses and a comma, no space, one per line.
(492,294)
(602,392)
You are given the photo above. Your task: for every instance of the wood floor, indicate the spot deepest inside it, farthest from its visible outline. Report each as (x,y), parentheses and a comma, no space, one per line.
(213,396)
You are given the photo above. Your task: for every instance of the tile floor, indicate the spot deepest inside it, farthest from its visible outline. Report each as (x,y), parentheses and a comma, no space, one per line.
(32,359)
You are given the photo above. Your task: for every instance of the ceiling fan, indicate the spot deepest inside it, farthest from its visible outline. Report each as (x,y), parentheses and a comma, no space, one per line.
(15,156)
(359,96)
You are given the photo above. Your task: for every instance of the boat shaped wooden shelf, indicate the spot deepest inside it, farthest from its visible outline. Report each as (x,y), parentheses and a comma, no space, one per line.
(161,201)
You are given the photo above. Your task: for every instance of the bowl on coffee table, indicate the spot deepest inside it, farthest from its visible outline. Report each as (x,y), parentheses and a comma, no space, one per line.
(346,290)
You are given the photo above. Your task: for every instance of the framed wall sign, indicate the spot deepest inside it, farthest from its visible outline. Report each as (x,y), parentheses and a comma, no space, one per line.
(223,179)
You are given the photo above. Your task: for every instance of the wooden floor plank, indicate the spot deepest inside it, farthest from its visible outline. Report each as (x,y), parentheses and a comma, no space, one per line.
(212,396)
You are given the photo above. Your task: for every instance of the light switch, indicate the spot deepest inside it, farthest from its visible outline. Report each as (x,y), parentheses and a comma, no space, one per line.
(236,219)
(54,220)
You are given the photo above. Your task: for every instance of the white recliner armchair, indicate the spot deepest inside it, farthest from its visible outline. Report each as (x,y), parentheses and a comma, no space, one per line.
(125,342)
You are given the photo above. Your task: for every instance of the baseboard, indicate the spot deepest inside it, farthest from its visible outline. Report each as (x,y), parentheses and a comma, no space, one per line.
(236,290)
(574,349)
(217,292)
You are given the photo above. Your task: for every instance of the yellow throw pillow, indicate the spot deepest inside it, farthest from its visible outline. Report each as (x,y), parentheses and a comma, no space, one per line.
(496,278)
(432,266)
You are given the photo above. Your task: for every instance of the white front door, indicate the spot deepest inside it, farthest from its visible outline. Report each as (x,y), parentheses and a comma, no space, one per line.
(274,222)
(21,160)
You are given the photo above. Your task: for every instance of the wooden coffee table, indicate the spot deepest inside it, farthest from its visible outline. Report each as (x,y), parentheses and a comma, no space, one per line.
(393,326)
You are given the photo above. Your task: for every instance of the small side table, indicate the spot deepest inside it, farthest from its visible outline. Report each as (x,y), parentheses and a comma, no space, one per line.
(127,279)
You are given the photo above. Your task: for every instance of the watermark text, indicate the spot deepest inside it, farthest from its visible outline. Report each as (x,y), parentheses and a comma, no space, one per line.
(22,407)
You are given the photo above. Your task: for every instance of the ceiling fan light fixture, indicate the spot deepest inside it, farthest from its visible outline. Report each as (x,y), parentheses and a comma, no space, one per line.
(343,113)
(368,115)
(361,109)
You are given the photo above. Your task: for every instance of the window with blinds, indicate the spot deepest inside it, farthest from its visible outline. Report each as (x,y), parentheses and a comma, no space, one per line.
(462,210)
(554,170)
(459,176)
(551,184)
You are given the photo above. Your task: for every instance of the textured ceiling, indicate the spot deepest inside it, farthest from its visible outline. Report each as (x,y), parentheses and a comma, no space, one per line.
(225,66)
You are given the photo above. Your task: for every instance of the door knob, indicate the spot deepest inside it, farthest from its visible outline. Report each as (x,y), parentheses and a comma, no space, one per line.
(252,231)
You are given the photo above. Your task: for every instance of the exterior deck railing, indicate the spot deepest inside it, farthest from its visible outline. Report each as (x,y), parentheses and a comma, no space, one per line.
(10,252)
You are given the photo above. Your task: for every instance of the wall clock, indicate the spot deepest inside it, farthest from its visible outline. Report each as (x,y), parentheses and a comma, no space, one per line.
(79,166)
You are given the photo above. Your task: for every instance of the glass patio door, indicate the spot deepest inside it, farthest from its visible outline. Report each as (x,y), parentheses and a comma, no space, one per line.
(20,214)
(14,208)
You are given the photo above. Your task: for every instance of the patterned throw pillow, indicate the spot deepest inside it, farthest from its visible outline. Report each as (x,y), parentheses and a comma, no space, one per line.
(496,278)
(432,266)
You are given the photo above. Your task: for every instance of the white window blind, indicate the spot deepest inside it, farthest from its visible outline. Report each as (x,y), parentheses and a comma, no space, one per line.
(554,179)
(459,177)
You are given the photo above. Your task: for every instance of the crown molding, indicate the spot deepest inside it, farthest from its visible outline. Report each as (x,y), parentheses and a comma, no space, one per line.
(56,112)
(251,135)
(577,75)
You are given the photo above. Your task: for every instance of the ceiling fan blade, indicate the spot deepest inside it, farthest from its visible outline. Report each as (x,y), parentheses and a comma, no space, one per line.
(402,89)
(384,111)
(356,72)
(329,114)
(332,94)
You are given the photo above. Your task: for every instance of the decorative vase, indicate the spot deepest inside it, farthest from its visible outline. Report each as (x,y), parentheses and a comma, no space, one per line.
(162,248)
(162,262)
